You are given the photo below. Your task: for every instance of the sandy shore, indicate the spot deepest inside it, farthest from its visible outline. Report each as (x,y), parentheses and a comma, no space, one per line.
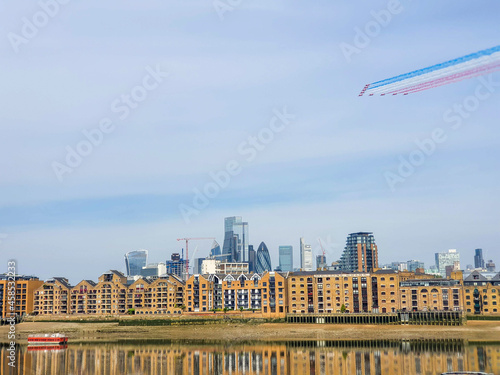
(106,332)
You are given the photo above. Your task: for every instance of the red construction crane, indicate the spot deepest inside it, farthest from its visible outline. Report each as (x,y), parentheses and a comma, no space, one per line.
(321,245)
(187,253)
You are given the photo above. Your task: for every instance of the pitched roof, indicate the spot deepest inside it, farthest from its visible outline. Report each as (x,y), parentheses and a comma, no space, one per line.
(63,281)
(476,276)
(118,273)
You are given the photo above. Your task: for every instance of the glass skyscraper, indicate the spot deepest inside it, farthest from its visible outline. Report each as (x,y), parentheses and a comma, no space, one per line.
(134,261)
(286,258)
(360,253)
(235,245)
(215,250)
(321,262)
(478,259)
(263,261)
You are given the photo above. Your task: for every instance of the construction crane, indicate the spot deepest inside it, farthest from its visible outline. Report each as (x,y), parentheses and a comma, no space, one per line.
(321,245)
(187,253)
(322,250)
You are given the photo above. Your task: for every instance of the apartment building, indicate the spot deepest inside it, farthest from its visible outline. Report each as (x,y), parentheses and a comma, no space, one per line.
(431,295)
(382,291)
(482,293)
(270,294)
(265,293)
(329,292)
(51,298)
(111,295)
(24,290)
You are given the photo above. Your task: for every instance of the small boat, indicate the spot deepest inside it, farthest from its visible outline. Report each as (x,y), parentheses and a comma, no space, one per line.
(47,339)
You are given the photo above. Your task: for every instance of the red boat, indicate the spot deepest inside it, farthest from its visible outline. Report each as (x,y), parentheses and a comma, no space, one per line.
(47,339)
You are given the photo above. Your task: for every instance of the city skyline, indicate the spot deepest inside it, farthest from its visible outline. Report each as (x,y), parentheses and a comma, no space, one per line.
(256,114)
(204,249)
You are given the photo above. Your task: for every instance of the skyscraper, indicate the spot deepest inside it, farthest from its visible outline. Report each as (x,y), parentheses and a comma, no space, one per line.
(215,250)
(176,265)
(447,259)
(321,262)
(235,245)
(306,256)
(478,259)
(134,261)
(286,258)
(251,258)
(360,253)
(263,260)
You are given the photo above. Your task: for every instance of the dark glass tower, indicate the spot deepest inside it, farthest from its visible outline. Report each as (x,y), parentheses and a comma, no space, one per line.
(235,245)
(215,250)
(263,260)
(134,261)
(478,258)
(360,253)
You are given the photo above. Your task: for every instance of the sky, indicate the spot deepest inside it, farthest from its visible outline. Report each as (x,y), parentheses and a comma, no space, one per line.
(117,117)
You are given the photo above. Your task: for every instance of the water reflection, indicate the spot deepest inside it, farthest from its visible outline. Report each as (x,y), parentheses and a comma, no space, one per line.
(290,357)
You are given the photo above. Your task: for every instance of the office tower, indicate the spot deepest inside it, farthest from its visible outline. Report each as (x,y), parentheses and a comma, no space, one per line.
(215,250)
(478,259)
(490,266)
(197,265)
(235,245)
(321,262)
(263,260)
(286,258)
(306,256)
(360,253)
(176,266)
(446,259)
(134,261)
(412,265)
(251,258)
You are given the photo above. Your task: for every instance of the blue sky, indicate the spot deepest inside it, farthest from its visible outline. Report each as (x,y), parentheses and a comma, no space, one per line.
(322,176)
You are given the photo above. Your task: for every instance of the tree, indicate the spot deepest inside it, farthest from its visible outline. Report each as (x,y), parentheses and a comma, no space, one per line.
(131,311)
(342,308)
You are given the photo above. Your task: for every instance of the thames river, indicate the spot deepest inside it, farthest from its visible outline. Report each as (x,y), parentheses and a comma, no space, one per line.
(348,357)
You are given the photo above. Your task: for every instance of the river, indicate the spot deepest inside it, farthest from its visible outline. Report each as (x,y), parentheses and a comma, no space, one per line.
(359,357)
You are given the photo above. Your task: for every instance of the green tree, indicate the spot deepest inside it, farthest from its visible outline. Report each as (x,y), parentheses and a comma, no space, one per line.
(342,308)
